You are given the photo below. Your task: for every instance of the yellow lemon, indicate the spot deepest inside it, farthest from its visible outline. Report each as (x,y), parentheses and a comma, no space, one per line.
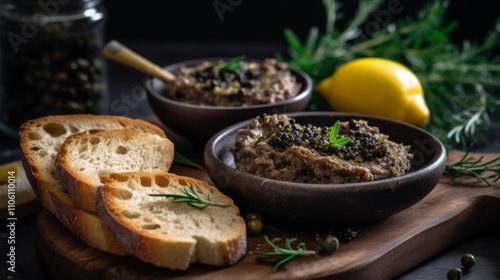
(376,86)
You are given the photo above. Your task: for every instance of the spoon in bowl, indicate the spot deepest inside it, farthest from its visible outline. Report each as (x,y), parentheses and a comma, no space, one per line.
(116,51)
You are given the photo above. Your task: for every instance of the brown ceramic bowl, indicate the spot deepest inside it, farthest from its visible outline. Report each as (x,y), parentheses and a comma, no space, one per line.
(199,123)
(330,204)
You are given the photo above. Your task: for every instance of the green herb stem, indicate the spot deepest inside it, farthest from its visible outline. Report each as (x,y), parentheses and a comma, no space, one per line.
(271,228)
(181,159)
(232,64)
(285,255)
(469,166)
(192,198)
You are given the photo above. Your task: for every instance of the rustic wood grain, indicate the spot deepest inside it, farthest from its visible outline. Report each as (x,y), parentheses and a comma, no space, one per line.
(448,215)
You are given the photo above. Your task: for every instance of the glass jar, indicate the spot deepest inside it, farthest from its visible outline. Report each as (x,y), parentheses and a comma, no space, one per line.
(50,59)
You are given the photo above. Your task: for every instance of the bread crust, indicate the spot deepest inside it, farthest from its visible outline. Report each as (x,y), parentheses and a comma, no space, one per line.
(50,132)
(87,226)
(37,183)
(33,131)
(81,185)
(157,246)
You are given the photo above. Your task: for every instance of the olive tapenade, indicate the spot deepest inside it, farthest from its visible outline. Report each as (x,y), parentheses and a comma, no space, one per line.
(276,147)
(241,83)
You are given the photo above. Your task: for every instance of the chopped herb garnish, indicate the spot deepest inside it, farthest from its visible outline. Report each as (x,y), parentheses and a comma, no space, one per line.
(231,65)
(334,140)
(192,198)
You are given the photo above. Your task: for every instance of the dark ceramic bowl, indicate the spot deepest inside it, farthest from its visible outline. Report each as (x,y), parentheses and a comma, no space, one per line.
(199,123)
(330,204)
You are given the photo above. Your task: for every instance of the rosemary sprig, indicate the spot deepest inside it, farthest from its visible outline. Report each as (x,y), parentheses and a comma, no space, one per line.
(474,167)
(284,255)
(192,198)
(334,140)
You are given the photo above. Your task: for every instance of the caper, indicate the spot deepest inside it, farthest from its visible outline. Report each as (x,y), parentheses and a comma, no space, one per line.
(468,260)
(255,227)
(454,274)
(47,76)
(253,216)
(354,125)
(332,242)
(349,235)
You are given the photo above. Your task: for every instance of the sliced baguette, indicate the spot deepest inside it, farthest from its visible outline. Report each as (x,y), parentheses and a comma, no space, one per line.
(168,234)
(86,226)
(40,141)
(86,156)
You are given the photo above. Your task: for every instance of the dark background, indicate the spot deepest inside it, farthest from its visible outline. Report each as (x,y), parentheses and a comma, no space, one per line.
(166,31)
(259,20)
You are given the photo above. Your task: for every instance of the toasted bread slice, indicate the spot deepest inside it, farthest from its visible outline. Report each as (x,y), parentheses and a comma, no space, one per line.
(86,156)
(169,234)
(86,226)
(40,141)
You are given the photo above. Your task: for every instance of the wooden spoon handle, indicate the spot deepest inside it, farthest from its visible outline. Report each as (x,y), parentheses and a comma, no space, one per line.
(114,50)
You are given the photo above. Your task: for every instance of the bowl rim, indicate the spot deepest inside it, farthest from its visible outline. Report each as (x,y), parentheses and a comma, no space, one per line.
(305,91)
(437,161)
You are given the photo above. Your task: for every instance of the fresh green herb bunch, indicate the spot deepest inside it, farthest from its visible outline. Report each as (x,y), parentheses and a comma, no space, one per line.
(459,81)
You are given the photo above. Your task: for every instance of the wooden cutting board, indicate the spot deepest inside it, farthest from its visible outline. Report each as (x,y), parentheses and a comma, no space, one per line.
(448,215)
